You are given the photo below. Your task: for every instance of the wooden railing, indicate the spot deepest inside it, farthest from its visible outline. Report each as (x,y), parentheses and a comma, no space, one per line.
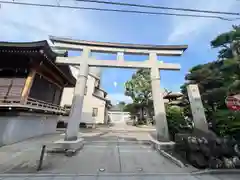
(8,100)
(32,103)
(43,104)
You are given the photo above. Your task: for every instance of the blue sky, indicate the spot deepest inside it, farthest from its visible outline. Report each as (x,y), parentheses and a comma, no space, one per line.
(20,23)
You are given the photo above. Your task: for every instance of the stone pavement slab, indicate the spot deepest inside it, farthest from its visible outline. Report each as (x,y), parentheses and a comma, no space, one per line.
(108,152)
(121,177)
(24,156)
(129,128)
(109,155)
(23,152)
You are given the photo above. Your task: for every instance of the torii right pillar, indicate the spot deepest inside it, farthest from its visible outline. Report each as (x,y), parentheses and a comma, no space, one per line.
(158,102)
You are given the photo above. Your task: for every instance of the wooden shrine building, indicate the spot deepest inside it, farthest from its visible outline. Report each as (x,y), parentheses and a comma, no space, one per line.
(31,85)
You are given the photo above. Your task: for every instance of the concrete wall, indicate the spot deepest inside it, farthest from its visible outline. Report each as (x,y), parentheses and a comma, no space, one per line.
(119,117)
(17,128)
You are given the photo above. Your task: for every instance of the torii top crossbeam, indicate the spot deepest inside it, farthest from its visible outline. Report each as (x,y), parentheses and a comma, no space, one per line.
(120,49)
(176,50)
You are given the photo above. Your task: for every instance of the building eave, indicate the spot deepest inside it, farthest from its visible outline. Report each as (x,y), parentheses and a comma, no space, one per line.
(36,46)
(105,93)
(42,48)
(90,74)
(99,97)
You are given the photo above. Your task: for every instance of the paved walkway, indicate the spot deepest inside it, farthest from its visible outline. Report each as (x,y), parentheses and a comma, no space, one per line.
(106,155)
(115,152)
(124,127)
(120,177)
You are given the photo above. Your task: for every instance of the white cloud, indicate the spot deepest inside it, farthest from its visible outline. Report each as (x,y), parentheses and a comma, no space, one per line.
(115,84)
(117,97)
(27,23)
(36,23)
(188,29)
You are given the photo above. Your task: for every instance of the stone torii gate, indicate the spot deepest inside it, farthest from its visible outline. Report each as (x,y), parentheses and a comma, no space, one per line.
(85,61)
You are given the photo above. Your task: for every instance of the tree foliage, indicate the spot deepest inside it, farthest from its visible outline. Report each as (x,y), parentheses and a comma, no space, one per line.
(121,105)
(132,108)
(229,43)
(227,123)
(176,120)
(219,79)
(139,89)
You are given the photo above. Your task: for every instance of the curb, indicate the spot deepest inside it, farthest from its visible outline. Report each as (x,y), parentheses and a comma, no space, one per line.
(217,171)
(157,146)
(171,158)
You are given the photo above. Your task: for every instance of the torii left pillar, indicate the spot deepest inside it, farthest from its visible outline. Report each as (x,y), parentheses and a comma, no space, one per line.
(77,104)
(72,142)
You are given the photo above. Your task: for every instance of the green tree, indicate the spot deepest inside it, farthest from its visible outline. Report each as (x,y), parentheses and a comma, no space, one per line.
(132,108)
(229,43)
(176,121)
(217,80)
(121,105)
(139,89)
(227,123)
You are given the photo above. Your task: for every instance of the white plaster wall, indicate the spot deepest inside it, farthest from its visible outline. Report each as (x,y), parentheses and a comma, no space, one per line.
(67,96)
(119,117)
(17,128)
(89,103)
(100,104)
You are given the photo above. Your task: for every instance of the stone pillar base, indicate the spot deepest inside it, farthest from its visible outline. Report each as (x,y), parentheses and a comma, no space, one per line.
(67,147)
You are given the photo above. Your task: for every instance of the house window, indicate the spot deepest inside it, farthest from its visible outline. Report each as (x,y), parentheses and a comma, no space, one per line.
(95,112)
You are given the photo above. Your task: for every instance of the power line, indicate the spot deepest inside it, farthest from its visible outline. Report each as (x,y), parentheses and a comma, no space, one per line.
(159,7)
(115,10)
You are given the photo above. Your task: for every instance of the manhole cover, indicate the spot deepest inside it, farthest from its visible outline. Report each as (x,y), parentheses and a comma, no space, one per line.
(101,169)
(139,169)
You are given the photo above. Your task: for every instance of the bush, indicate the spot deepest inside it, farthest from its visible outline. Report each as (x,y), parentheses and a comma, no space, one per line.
(176,121)
(227,123)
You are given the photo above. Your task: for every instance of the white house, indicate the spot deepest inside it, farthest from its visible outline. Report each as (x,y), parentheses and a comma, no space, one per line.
(95,108)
